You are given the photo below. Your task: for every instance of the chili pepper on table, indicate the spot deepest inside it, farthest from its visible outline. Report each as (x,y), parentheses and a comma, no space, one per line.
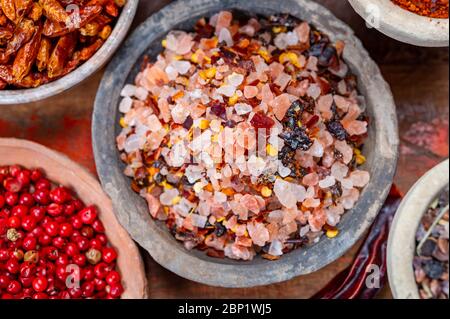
(351,282)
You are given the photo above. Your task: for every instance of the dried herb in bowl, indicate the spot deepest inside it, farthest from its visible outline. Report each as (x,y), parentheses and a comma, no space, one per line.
(43,40)
(245,136)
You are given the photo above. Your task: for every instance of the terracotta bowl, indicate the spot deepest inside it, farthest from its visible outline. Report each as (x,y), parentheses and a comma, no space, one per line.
(403,25)
(123,24)
(132,211)
(402,237)
(61,170)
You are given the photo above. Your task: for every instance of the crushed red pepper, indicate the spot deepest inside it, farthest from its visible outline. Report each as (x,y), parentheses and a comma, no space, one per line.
(429,8)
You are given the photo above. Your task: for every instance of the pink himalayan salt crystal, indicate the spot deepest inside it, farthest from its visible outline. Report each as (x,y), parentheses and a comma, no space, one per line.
(303,31)
(353,113)
(180,42)
(311,203)
(243,241)
(324,104)
(314,91)
(154,76)
(258,233)
(153,204)
(360,178)
(250,91)
(316,150)
(250,202)
(339,170)
(215,242)
(328,158)
(283,80)
(281,105)
(342,103)
(266,94)
(276,248)
(288,193)
(311,179)
(223,21)
(345,150)
(260,64)
(312,63)
(349,198)
(317,220)
(327,182)
(225,36)
(289,215)
(356,128)
(237,252)
(305,160)
(326,138)
(276,69)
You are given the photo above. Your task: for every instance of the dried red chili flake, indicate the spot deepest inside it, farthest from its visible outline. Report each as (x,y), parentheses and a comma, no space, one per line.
(429,8)
(262,121)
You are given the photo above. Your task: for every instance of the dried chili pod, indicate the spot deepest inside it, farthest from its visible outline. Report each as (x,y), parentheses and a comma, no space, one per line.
(22,8)
(112,9)
(6,74)
(35,12)
(43,55)
(61,55)
(87,14)
(95,26)
(5,34)
(22,34)
(32,80)
(82,56)
(9,9)
(352,282)
(54,11)
(3,18)
(26,56)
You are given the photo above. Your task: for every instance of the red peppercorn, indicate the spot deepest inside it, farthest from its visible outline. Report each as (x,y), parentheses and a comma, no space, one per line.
(55,209)
(29,243)
(38,213)
(66,230)
(52,229)
(11,198)
(101,270)
(2,201)
(28,222)
(88,289)
(59,242)
(115,290)
(113,278)
(72,249)
(79,260)
(109,255)
(40,284)
(97,225)
(88,215)
(43,183)
(14,287)
(42,196)
(12,265)
(35,175)
(14,222)
(12,185)
(27,200)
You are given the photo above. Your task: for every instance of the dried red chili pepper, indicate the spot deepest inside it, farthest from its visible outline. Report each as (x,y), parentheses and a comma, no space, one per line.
(26,56)
(61,54)
(351,282)
(429,8)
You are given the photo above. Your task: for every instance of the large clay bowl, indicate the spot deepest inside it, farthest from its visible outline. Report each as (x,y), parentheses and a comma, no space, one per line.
(100,58)
(402,237)
(131,210)
(61,170)
(403,25)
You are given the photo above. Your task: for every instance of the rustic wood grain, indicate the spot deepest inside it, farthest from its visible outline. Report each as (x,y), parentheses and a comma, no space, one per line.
(419,81)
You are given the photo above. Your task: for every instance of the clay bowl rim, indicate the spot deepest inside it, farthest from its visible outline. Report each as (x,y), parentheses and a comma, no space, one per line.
(84,71)
(80,176)
(402,244)
(403,25)
(131,209)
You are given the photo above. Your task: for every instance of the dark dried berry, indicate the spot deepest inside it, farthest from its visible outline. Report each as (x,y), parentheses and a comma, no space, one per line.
(188,123)
(219,110)
(230,124)
(158,178)
(220,230)
(297,139)
(336,190)
(428,248)
(337,130)
(328,56)
(434,269)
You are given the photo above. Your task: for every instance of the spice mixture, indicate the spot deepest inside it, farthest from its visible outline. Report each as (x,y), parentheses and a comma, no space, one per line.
(429,8)
(431,261)
(43,40)
(51,245)
(245,136)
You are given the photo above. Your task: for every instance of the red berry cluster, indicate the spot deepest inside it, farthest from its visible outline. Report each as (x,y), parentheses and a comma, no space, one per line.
(47,235)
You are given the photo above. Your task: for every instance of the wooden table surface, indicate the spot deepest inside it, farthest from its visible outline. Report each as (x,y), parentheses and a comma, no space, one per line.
(419,81)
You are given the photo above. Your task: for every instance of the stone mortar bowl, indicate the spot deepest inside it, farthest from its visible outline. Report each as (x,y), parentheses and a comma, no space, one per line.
(84,71)
(403,25)
(402,237)
(62,170)
(132,211)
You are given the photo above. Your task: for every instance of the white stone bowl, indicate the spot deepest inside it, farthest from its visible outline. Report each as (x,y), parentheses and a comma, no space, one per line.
(84,71)
(402,237)
(403,25)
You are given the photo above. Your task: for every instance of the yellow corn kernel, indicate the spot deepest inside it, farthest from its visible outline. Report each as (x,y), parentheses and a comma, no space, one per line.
(178,95)
(204,124)
(271,151)
(299,123)
(215,138)
(167,127)
(266,191)
(166,185)
(164,43)
(356,151)
(177,57)
(166,210)
(290,57)
(264,54)
(152,170)
(207,59)
(331,233)
(279,29)
(194,58)
(360,159)
(208,73)
(233,100)
(122,122)
(221,219)
(176,200)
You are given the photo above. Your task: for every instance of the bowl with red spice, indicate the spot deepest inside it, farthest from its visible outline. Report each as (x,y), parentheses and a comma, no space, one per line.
(49,46)
(312,148)
(59,238)
(418,246)
(418,22)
